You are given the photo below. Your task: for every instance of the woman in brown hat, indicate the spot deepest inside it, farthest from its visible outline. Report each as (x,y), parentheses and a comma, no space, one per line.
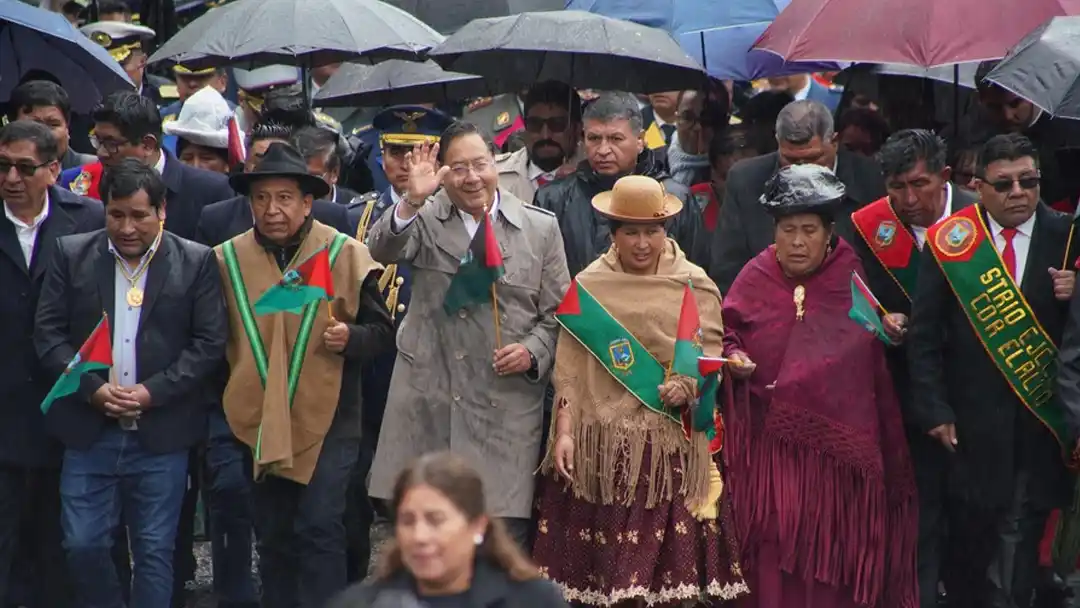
(629,501)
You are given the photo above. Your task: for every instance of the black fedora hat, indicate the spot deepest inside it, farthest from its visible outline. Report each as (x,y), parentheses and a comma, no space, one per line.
(281,160)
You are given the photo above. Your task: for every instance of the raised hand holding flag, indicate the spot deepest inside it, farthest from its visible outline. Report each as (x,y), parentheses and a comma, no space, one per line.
(94,354)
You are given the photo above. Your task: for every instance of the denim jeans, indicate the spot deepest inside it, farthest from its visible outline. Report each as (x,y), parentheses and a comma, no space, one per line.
(301,531)
(116,474)
(228,494)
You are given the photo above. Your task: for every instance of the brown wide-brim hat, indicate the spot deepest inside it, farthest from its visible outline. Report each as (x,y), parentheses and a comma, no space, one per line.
(637,199)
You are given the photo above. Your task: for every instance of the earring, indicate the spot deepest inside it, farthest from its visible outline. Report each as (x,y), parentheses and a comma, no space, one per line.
(478,539)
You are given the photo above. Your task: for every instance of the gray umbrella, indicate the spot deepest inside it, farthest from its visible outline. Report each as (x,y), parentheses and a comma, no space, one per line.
(309,33)
(395,82)
(1044,67)
(448,16)
(584,50)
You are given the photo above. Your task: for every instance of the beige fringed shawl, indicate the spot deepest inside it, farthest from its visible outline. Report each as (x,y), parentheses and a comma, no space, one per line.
(611,428)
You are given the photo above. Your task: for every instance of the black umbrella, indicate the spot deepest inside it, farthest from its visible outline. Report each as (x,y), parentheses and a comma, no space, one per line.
(1044,67)
(448,16)
(309,33)
(395,82)
(584,50)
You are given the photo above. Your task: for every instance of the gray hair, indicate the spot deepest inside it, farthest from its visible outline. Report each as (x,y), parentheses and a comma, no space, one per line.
(615,106)
(800,121)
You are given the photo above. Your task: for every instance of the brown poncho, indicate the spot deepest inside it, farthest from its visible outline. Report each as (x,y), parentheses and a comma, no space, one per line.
(611,427)
(290,440)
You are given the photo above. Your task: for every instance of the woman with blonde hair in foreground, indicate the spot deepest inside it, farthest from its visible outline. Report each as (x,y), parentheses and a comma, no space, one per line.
(447,552)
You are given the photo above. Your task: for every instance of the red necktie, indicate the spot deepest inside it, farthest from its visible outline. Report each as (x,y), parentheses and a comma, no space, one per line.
(542,180)
(1009,254)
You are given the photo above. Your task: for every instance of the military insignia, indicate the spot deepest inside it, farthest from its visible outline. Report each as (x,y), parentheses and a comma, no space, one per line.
(101,38)
(81,184)
(886,232)
(291,279)
(361,129)
(699,339)
(325,120)
(169,118)
(408,120)
(622,355)
(502,120)
(955,237)
(479,103)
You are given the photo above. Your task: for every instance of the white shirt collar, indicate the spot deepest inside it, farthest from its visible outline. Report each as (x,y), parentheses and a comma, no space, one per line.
(804,92)
(535,172)
(395,198)
(947,211)
(36,222)
(492,211)
(160,164)
(145,257)
(1026,229)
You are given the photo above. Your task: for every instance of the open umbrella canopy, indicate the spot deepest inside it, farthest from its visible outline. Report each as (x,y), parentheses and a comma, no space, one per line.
(1045,68)
(927,33)
(395,82)
(36,39)
(584,50)
(309,33)
(448,16)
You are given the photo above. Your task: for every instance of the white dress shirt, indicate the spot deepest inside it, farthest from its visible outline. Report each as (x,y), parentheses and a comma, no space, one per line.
(28,233)
(471,224)
(920,232)
(1021,243)
(125,321)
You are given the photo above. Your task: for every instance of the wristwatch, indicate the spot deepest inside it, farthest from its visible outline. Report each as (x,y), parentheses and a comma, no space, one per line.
(532,362)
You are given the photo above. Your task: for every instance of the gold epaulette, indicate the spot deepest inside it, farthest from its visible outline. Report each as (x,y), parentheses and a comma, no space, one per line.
(390,283)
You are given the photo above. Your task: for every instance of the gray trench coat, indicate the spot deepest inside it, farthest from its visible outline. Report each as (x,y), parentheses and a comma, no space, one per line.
(444,394)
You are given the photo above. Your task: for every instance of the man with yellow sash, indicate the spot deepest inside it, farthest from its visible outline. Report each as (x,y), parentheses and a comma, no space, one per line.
(293,389)
(889,234)
(989,309)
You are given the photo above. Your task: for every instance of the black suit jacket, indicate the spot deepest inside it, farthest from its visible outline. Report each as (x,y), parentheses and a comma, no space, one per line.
(745,229)
(189,190)
(23,382)
(890,295)
(954,380)
(180,342)
(227,218)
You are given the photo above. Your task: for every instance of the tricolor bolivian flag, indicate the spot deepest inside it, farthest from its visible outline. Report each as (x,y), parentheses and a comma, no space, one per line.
(482,266)
(710,369)
(866,310)
(95,354)
(688,345)
(308,282)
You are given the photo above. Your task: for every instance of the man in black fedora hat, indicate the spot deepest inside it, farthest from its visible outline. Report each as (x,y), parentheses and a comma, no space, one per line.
(299,414)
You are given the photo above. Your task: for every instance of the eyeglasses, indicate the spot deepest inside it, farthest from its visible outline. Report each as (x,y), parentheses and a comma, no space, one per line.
(1006,185)
(462,169)
(110,146)
(555,124)
(24,168)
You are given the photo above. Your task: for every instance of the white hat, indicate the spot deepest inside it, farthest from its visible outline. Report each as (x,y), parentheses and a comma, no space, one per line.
(118,37)
(266,77)
(204,120)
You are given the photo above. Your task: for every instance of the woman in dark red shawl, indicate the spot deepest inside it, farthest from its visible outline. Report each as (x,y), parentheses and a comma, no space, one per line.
(820,479)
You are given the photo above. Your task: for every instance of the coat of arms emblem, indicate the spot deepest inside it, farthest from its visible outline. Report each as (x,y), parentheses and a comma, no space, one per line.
(622,355)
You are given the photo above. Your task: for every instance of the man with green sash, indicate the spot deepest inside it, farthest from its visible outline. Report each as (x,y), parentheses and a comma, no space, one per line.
(293,389)
(990,306)
(890,233)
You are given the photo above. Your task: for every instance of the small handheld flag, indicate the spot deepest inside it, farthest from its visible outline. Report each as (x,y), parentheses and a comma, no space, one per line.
(688,336)
(308,282)
(866,310)
(709,368)
(478,271)
(95,354)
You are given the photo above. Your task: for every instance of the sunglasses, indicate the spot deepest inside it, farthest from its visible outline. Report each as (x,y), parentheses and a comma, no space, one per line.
(1006,185)
(24,169)
(555,124)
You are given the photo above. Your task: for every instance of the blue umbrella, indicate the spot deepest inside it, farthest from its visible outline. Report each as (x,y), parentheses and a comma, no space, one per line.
(32,38)
(719,34)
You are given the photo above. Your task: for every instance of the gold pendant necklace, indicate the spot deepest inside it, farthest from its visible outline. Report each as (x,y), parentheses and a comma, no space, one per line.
(799,297)
(135,297)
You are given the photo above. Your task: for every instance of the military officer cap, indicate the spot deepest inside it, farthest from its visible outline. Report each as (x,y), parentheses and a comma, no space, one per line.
(182,70)
(118,38)
(271,76)
(410,125)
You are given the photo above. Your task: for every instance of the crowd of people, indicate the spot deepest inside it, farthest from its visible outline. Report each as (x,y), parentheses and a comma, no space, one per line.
(531,440)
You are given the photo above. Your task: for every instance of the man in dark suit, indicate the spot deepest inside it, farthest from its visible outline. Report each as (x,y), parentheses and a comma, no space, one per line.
(982,373)
(127,438)
(804,131)
(36,213)
(48,103)
(890,233)
(324,151)
(128,125)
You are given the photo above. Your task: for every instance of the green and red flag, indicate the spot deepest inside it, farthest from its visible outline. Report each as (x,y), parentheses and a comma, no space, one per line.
(310,281)
(95,354)
(688,336)
(478,271)
(866,310)
(704,415)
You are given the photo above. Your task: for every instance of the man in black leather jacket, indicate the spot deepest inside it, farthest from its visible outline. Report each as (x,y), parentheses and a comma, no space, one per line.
(614,147)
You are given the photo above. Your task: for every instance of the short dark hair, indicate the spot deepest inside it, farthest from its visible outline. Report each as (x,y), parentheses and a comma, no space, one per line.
(182,143)
(457,130)
(868,120)
(268,129)
(728,141)
(981,83)
(715,109)
(554,93)
(763,108)
(128,177)
(38,134)
(904,149)
(314,141)
(134,115)
(39,94)
(106,7)
(1009,146)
